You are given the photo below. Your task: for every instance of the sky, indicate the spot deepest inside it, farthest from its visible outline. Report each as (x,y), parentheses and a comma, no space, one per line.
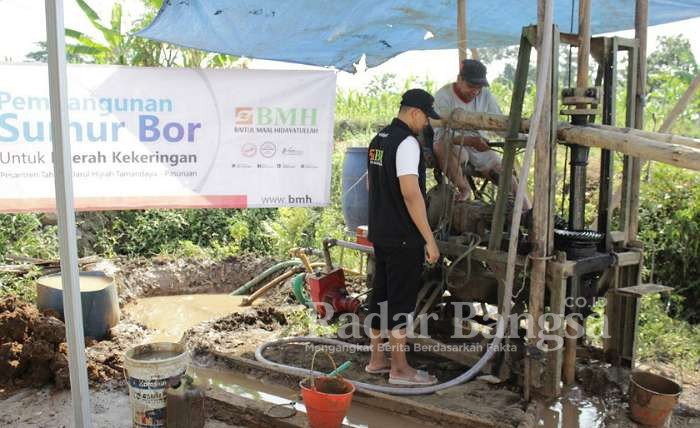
(22,24)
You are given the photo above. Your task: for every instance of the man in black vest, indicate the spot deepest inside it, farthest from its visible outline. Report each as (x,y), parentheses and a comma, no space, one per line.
(400,233)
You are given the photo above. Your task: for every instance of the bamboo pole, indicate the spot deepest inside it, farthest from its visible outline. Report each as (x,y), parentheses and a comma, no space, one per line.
(462,29)
(641,20)
(592,136)
(584,42)
(541,199)
(681,105)
(656,136)
(543,63)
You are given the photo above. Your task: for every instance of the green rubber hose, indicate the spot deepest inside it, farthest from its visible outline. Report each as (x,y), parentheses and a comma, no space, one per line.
(299,289)
(255,281)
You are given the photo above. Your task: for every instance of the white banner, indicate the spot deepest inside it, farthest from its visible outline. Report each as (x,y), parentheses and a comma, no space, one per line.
(170,138)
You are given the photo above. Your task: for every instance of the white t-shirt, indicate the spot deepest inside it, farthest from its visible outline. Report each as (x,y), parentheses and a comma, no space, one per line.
(408,157)
(446,100)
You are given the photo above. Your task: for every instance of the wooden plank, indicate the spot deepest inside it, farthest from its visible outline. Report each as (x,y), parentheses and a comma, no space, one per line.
(595,263)
(486,255)
(569,38)
(557,295)
(584,41)
(617,236)
(611,320)
(554,107)
(561,268)
(643,289)
(462,29)
(407,407)
(240,411)
(579,100)
(641,21)
(513,128)
(628,258)
(465,358)
(575,111)
(541,215)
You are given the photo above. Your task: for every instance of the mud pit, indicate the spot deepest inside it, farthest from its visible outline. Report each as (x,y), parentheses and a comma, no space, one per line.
(32,344)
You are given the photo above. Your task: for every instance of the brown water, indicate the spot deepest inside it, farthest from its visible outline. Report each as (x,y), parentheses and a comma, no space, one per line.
(574,409)
(359,415)
(156,355)
(87,282)
(171,316)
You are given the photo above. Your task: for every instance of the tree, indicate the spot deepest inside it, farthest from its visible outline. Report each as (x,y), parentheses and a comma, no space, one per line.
(120,46)
(670,69)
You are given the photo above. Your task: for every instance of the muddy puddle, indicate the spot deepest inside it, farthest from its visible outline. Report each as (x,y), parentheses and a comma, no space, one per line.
(574,409)
(359,415)
(171,316)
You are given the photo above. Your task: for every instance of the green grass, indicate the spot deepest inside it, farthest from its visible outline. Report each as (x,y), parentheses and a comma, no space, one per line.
(661,338)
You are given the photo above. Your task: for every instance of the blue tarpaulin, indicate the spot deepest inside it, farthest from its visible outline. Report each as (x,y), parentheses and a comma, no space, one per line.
(337,32)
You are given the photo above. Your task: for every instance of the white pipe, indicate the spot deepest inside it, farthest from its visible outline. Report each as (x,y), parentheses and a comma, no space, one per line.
(395,390)
(63,181)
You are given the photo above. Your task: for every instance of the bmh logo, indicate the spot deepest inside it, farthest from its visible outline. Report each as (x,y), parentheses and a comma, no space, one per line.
(268,149)
(277,116)
(291,151)
(249,150)
(244,115)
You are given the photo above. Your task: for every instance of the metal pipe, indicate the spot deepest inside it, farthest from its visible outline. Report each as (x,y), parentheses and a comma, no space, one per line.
(63,182)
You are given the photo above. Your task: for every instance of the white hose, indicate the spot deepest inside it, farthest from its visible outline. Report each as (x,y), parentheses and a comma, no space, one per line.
(395,390)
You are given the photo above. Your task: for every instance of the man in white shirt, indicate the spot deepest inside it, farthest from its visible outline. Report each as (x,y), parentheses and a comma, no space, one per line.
(470,92)
(400,234)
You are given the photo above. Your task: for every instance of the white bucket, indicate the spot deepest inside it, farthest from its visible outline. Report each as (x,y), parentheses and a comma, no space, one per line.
(148,368)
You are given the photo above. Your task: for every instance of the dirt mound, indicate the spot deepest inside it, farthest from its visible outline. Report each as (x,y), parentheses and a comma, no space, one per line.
(33,351)
(239,332)
(265,318)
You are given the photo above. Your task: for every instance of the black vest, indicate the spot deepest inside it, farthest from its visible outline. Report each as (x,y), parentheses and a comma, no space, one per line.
(389,221)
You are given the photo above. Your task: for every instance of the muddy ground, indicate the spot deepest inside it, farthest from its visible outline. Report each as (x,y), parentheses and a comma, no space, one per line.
(33,350)
(32,344)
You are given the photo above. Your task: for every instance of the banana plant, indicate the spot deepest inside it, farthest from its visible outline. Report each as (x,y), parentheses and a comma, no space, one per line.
(123,48)
(117,44)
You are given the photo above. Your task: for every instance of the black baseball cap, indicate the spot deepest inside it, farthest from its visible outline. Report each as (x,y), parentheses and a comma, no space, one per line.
(473,72)
(420,99)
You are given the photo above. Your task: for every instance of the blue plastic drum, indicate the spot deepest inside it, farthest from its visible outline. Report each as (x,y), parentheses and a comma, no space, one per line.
(355,196)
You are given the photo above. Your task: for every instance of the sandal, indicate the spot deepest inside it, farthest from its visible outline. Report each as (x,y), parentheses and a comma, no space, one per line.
(383,370)
(421,378)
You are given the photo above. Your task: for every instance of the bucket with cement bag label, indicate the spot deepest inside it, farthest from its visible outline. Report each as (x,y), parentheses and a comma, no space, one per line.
(149,369)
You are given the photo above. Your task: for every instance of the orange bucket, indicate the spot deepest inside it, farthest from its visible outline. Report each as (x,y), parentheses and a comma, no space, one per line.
(327,399)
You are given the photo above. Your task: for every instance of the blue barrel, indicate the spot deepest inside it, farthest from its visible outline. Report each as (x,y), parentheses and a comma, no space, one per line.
(98,295)
(355,196)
